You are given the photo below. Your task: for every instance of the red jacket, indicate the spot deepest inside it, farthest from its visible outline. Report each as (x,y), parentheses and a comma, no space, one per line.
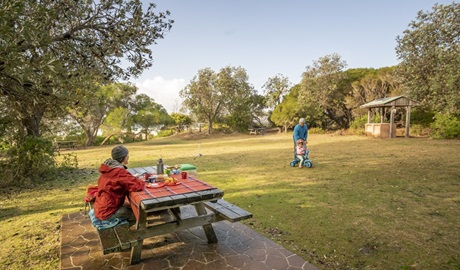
(113,185)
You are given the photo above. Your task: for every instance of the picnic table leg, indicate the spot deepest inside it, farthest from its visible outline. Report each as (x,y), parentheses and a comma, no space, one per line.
(136,251)
(208,229)
(141,222)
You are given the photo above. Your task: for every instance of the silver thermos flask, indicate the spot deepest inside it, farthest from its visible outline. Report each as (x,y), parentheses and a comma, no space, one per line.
(160,167)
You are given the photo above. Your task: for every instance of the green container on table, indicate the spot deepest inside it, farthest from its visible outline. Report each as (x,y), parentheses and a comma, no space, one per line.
(189,168)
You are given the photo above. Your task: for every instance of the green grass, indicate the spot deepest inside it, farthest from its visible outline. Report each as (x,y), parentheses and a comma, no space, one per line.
(366,204)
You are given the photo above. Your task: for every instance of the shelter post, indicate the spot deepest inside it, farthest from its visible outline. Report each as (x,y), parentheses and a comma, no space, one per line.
(407,121)
(392,120)
(382,113)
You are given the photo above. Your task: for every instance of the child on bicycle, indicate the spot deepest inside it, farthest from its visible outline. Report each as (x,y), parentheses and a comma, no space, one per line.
(301,149)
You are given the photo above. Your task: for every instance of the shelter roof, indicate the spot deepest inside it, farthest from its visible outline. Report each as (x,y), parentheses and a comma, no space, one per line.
(398,101)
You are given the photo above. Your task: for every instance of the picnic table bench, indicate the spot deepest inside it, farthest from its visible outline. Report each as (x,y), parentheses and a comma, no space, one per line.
(118,238)
(257,131)
(65,144)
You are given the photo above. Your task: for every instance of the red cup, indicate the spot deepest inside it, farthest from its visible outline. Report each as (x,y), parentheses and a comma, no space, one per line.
(146,176)
(183,175)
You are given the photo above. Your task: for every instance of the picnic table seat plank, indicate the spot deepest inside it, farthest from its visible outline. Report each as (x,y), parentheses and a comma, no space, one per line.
(118,238)
(227,210)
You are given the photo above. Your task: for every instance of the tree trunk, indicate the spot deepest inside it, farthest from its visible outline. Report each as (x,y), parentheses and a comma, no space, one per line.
(210,126)
(106,139)
(31,120)
(90,137)
(32,125)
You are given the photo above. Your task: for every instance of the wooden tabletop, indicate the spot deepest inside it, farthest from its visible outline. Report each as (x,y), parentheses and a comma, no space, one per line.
(187,191)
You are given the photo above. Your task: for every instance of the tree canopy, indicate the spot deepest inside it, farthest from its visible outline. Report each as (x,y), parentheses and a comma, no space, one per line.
(429,51)
(321,88)
(225,96)
(50,51)
(276,88)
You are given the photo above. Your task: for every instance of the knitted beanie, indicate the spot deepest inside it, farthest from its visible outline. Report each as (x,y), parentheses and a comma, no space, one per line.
(119,152)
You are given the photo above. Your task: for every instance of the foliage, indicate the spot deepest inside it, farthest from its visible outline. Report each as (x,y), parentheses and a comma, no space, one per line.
(290,110)
(368,85)
(276,88)
(96,103)
(202,97)
(420,130)
(429,51)
(211,96)
(116,122)
(165,133)
(181,121)
(51,50)
(237,108)
(69,160)
(316,130)
(360,122)
(321,88)
(445,126)
(422,116)
(28,162)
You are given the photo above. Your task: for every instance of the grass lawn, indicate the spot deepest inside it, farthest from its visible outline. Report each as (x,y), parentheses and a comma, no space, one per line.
(366,203)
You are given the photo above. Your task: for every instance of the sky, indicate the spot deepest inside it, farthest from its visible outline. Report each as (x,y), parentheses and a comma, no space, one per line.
(268,37)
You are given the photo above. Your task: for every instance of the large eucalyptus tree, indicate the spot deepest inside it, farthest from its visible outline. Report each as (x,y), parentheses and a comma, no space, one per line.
(52,51)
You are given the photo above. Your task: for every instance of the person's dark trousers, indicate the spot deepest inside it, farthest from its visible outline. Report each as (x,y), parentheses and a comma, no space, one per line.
(295,152)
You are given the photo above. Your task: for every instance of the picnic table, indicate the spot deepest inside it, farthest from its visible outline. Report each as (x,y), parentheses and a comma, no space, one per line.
(257,131)
(151,200)
(65,144)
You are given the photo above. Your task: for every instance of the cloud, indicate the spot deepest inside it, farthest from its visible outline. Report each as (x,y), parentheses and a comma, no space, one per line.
(164,92)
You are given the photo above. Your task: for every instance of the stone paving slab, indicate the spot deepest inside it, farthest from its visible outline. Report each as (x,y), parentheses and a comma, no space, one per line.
(239,247)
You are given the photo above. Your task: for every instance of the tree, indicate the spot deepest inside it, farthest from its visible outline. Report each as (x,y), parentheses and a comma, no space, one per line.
(429,51)
(147,114)
(368,85)
(226,95)
(289,111)
(50,49)
(181,121)
(238,95)
(320,87)
(116,122)
(95,103)
(276,89)
(202,97)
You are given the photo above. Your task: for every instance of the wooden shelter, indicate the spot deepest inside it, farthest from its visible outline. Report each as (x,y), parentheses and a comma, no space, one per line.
(388,130)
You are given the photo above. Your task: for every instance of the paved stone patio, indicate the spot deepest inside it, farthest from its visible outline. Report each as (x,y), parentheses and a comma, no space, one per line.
(239,247)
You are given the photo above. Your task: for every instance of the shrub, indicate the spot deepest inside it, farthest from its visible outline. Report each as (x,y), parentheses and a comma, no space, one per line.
(27,162)
(69,161)
(445,126)
(316,131)
(31,162)
(165,133)
(358,124)
(420,130)
(421,116)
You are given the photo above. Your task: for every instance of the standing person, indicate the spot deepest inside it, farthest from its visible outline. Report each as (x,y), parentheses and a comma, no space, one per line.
(300,132)
(114,183)
(300,151)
